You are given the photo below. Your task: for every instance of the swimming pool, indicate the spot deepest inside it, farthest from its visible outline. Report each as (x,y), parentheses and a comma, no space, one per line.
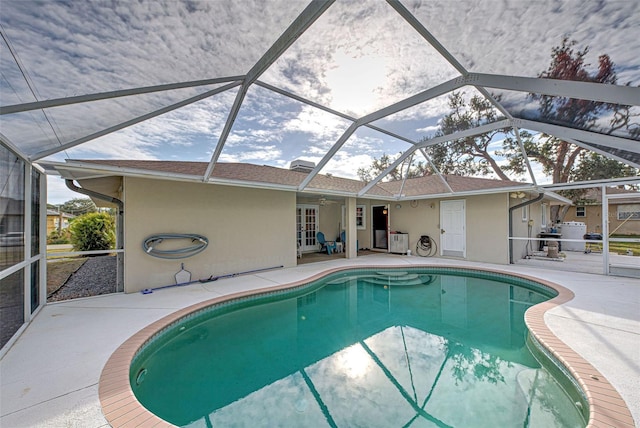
(411,347)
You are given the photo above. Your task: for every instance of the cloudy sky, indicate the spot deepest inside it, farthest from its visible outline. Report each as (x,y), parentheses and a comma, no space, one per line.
(358,57)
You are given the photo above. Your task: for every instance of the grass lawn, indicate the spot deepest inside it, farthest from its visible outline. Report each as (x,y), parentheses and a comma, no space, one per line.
(622,247)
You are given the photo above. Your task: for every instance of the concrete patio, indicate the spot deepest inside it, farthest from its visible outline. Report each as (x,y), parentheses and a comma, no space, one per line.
(49,378)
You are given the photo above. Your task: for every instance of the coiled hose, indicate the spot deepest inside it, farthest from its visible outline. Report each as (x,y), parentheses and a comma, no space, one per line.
(426,247)
(151,243)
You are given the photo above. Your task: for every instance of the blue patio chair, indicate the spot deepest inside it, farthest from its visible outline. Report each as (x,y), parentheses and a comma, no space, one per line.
(343,238)
(330,246)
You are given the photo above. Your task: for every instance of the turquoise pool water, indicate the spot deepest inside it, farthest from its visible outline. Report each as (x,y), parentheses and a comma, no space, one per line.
(411,348)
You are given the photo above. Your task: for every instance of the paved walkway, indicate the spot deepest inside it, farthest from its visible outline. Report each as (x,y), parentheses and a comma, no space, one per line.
(49,378)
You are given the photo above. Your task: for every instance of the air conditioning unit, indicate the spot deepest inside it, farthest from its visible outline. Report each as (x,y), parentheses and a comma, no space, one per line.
(300,165)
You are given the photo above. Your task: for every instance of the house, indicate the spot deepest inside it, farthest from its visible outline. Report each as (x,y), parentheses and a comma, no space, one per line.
(57,220)
(624,211)
(254,215)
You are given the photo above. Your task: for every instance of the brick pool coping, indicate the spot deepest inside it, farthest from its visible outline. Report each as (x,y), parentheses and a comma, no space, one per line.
(122,409)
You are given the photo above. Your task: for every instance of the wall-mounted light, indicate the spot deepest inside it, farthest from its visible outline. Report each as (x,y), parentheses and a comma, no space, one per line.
(384,211)
(517,195)
(398,206)
(432,205)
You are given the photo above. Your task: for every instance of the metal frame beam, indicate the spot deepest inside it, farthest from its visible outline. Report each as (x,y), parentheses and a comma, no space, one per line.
(57,102)
(386,111)
(435,168)
(419,98)
(7,142)
(580,135)
(602,152)
(122,125)
(307,17)
(332,111)
(469,78)
(591,183)
(386,171)
(437,140)
(332,151)
(524,154)
(417,25)
(616,94)
(505,123)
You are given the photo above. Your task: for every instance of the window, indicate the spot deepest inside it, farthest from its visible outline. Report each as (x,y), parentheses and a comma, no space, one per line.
(581,211)
(12,207)
(35,212)
(525,213)
(361,219)
(630,211)
(543,218)
(360,216)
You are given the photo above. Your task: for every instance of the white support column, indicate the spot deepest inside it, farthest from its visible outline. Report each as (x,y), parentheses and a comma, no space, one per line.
(351,231)
(605,231)
(43,239)
(26,280)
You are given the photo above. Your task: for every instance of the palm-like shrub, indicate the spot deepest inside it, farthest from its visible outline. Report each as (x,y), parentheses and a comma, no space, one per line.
(93,231)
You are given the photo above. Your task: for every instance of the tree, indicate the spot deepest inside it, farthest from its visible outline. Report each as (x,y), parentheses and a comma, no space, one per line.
(79,206)
(556,156)
(471,155)
(416,169)
(561,160)
(93,231)
(593,166)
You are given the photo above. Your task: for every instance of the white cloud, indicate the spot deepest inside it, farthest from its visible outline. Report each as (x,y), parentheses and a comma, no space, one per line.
(357,57)
(320,125)
(58,192)
(357,60)
(262,154)
(428,129)
(126,144)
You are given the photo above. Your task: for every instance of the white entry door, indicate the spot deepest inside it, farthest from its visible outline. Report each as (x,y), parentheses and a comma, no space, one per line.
(452,229)
(307,226)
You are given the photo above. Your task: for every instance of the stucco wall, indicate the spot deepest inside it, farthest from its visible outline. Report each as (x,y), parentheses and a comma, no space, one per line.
(593,220)
(331,220)
(486,225)
(330,215)
(488,228)
(247,229)
(521,227)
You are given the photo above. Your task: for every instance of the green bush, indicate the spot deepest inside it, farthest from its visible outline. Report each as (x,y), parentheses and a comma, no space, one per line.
(93,231)
(59,237)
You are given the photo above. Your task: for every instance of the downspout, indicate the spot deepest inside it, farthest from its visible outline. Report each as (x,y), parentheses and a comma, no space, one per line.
(515,207)
(119,228)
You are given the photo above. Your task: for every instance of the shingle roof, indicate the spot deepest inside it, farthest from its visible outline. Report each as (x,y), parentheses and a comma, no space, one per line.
(433,185)
(57,213)
(413,187)
(594,196)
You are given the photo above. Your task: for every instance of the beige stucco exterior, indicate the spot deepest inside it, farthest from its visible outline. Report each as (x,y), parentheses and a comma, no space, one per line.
(521,229)
(247,229)
(251,228)
(486,224)
(593,220)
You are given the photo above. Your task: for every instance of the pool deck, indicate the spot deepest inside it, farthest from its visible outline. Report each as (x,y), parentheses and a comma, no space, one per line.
(49,378)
